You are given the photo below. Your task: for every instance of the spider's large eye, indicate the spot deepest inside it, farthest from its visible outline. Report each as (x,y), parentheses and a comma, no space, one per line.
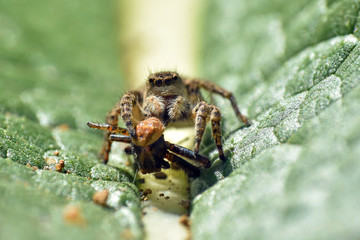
(158,83)
(168,81)
(175,77)
(151,81)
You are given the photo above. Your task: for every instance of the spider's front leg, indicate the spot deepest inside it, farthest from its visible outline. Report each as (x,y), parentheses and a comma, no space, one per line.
(124,108)
(201,114)
(127,104)
(112,119)
(109,128)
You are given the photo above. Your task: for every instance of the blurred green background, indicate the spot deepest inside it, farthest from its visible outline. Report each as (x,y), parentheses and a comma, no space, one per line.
(59,66)
(293,66)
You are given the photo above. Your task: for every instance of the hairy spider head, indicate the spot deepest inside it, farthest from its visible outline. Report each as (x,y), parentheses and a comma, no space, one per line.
(165,84)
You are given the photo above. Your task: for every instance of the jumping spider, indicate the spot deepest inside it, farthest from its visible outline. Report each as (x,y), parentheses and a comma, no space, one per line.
(150,148)
(176,101)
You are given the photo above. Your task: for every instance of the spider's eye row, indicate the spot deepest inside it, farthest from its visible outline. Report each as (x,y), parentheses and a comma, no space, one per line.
(168,81)
(158,83)
(163,81)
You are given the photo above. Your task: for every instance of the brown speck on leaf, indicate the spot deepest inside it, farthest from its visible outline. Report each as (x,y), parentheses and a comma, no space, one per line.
(184,220)
(34,168)
(127,163)
(160,175)
(60,166)
(72,214)
(56,153)
(147,192)
(167,197)
(161,195)
(63,127)
(28,165)
(101,197)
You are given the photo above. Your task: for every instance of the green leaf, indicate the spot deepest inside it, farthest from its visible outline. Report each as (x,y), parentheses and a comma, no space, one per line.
(58,71)
(293,67)
(293,174)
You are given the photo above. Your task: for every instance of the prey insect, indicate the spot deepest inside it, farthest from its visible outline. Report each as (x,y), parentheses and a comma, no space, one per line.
(149,148)
(176,101)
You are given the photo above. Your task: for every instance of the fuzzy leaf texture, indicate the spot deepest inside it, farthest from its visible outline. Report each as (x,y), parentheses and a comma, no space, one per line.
(49,89)
(294,174)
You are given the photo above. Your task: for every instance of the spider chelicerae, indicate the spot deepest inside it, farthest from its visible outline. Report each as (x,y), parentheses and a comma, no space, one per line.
(175,101)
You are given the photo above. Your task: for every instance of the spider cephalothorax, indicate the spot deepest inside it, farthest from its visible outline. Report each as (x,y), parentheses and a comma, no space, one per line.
(166,97)
(149,148)
(175,101)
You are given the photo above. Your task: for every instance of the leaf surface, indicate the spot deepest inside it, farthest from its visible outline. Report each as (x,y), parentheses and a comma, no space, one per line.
(294,67)
(58,71)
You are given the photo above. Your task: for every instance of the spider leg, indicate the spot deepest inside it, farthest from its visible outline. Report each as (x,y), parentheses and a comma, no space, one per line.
(187,153)
(106,148)
(195,84)
(127,104)
(202,112)
(215,119)
(201,115)
(108,127)
(112,118)
(190,170)
(120,138)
